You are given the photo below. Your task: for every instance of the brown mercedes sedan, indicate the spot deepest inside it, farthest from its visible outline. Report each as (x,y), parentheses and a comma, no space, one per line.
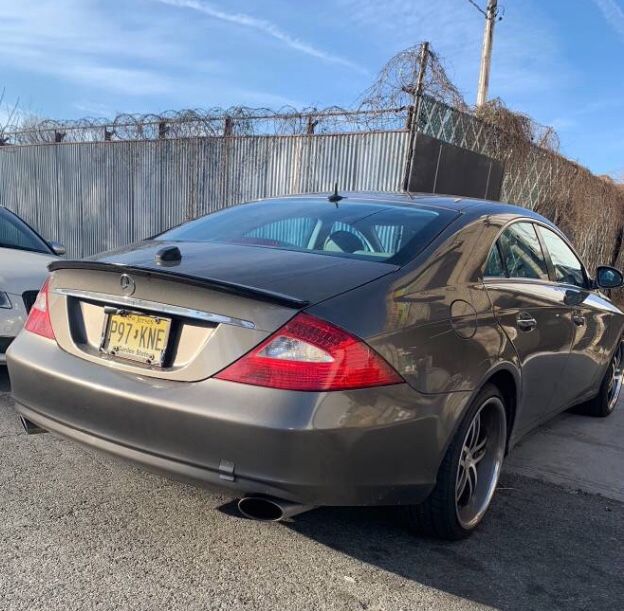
(364,349)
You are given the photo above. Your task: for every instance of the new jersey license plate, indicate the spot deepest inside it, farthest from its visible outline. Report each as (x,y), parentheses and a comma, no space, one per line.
(137,337)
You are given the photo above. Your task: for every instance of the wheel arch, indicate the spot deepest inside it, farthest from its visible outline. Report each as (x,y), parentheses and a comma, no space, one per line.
(509,387)
(506,377)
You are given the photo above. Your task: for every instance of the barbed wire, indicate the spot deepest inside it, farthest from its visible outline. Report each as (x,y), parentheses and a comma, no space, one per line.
(395,84)
(213,122)
(386,105)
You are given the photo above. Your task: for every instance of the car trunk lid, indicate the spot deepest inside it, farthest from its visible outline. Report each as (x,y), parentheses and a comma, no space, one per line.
(218,302)
(305,276)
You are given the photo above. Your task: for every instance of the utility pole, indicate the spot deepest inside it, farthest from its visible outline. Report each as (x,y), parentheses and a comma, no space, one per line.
(491,14)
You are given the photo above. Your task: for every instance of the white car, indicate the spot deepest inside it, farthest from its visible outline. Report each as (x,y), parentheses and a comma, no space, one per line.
(24,259)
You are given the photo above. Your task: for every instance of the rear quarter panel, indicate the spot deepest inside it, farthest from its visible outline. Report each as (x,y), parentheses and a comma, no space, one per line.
(432,320)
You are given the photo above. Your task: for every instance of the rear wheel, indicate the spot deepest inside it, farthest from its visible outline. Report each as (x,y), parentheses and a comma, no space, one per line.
(604,404)
(469,472)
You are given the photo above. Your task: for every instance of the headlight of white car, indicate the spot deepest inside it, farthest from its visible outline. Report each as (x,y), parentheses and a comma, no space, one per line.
(5,302)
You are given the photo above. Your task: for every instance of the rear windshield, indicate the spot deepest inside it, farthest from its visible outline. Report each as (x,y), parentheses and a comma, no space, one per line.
(365,230)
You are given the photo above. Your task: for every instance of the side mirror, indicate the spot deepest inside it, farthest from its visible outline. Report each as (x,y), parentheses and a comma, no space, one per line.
(57,248)
(609,277)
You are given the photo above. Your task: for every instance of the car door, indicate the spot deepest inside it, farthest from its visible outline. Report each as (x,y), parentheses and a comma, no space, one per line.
(591,314)
(532,311)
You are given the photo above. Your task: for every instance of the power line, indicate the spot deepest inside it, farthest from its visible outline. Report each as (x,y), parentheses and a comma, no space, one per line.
(478,8)
(497,14)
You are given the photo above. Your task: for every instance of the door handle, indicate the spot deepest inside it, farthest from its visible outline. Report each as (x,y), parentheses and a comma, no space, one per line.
(578,320)
(526,322)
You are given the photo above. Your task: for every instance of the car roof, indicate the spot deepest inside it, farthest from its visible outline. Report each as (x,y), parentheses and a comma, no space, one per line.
(464,205)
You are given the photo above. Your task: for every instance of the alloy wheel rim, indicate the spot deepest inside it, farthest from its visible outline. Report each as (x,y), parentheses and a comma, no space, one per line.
(480,462)
(615,382)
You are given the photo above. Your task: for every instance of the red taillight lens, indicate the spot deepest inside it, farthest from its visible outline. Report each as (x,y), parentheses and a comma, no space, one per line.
(38,320)
(311,354)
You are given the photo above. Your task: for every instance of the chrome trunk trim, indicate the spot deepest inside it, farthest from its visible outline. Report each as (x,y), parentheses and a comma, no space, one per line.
(154,306)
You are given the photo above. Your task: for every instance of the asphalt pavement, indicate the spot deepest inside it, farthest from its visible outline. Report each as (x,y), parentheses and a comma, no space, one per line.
(80,530)
(576,452)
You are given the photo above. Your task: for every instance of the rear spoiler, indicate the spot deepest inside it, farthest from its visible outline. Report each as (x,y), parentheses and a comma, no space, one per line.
(210,283)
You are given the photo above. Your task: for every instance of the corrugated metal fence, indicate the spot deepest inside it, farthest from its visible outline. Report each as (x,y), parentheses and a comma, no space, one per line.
(93,196)
(98,195)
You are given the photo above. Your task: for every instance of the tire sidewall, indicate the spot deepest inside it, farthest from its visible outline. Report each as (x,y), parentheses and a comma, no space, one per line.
(454,451)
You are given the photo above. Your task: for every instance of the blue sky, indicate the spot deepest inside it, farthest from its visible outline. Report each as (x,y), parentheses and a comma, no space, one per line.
(561,61)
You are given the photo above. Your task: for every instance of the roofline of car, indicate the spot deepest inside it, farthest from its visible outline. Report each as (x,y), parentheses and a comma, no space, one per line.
(454,202)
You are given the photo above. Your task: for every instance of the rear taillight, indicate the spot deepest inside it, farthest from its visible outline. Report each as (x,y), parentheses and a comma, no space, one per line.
(311,354)
(38,320)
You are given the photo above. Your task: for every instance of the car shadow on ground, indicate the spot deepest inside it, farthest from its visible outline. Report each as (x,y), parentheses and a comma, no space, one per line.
(540,547)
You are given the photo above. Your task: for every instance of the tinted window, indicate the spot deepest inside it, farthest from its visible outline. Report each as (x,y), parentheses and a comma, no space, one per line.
(359,229)
(494,265)
(299,230)
(343,237)
(392,237)
(14,233)
(568,268)
(522,253)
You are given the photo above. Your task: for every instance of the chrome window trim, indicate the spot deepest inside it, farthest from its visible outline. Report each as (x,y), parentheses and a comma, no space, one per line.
(154,306)
(538,223)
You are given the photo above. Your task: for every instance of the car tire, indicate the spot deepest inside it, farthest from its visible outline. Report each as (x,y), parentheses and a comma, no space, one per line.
(448,513)
(604,403)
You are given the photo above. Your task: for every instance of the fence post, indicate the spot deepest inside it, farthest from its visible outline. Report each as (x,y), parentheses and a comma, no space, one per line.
(192,205)
(417,90)
(225,161)
(228,127)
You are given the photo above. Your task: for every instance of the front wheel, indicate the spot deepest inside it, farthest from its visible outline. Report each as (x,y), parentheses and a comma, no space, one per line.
(469,472)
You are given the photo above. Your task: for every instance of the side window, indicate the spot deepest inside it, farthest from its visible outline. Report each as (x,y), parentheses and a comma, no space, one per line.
(522,252)
(568,268)
(15,234)
(494,265)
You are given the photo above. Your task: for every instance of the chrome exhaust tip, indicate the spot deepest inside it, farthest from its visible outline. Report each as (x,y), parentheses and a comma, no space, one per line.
(267,509)
(30,427)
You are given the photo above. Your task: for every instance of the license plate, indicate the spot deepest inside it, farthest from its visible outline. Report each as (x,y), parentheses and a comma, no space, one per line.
(136,337)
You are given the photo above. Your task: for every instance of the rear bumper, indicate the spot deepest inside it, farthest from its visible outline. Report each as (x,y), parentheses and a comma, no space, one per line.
(374,446)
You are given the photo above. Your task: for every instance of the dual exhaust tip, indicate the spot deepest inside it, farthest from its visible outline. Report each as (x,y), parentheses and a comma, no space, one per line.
(268,509)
